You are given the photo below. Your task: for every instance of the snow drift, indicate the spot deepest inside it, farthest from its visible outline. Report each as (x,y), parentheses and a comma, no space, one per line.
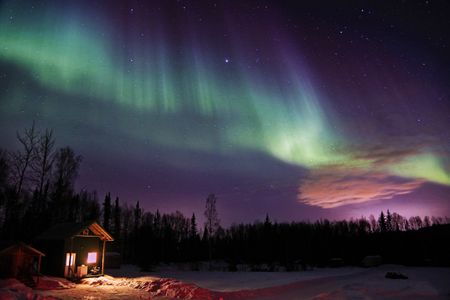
(343,283)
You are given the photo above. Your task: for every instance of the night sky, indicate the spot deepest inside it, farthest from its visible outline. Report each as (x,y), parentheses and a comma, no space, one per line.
(299,109)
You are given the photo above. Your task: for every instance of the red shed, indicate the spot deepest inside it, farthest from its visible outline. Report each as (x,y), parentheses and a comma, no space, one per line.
(17,261)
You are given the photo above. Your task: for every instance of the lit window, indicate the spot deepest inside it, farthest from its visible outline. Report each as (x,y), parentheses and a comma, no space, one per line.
(92,257)
(69,259)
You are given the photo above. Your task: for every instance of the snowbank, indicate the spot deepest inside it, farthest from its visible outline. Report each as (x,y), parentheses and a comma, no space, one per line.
(54,283)
(343,283)
(155,286)
(13,289)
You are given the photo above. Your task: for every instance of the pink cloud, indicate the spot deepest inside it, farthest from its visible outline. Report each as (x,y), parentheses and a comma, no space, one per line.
(330,187)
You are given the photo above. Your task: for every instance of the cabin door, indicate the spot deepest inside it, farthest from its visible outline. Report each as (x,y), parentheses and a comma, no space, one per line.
(69,269)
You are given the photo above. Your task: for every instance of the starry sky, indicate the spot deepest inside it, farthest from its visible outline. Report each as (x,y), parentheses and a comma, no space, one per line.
(297,109)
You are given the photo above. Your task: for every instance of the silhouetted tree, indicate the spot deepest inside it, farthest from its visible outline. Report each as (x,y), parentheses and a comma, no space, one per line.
(364,226)
(397,222)
(89,206)
(388,221)
(212,222)
(137,217)
(415,222)
(107,212)
(127,230)
(66,171)
(4,173)
(193,229)
(43,161)
(117,212)
(4,169)
(15,200)
(373,223)
(21,161)
(407,225)
(382,222)
(437,220)
(67,165)
(75,207)
(137,213)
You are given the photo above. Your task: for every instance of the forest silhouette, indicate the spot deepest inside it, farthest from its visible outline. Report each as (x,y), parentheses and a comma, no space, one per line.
(37,192)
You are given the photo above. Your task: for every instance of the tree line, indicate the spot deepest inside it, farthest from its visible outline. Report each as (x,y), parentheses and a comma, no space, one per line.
(37,191)
(294,245)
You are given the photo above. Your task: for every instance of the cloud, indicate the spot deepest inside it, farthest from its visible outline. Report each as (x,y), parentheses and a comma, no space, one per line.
(331,187)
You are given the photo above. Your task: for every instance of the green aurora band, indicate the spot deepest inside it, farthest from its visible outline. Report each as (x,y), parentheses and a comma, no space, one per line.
(275,111)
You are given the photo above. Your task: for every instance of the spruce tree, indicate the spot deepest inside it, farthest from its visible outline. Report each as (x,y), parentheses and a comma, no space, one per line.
(117,212)
(382,222)
(193,231)
(107,212)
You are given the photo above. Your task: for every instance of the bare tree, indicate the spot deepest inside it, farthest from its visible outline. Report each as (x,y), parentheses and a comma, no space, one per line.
(4,174)
(212,222)
(419,222)
(437,220)
(21,161)
(43,160)
(398,222)
(67,165)
(4,171)
(66,171)
(373,223)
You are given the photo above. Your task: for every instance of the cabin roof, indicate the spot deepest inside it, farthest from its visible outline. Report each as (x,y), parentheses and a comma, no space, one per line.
(64,231)
(10,248)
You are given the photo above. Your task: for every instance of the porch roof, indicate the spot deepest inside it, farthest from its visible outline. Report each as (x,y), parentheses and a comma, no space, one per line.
(64,231)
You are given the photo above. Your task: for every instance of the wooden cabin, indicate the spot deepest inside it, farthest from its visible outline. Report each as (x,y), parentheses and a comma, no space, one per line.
(21,261)
(74,249)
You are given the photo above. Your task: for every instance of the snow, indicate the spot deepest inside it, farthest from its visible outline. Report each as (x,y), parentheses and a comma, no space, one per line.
(175,282)
(12,289)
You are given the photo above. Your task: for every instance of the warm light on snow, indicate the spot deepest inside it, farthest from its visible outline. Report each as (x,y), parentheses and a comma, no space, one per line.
(173,283)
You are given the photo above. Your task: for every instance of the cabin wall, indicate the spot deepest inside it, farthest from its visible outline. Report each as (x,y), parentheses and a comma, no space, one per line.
(54,260)
(6,266)
(82,246)
(13,264)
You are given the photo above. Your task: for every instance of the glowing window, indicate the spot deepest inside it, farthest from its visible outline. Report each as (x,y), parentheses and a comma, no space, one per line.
(69,259)
(92,257)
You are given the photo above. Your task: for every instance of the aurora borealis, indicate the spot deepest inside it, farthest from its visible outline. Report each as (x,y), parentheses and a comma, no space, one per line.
(298,109)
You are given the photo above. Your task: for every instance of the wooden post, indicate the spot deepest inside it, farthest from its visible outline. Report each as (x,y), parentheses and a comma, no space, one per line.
(70,259)
(103,257)
(39,269)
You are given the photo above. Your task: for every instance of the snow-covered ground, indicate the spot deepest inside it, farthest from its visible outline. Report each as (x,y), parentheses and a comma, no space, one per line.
(170,283)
